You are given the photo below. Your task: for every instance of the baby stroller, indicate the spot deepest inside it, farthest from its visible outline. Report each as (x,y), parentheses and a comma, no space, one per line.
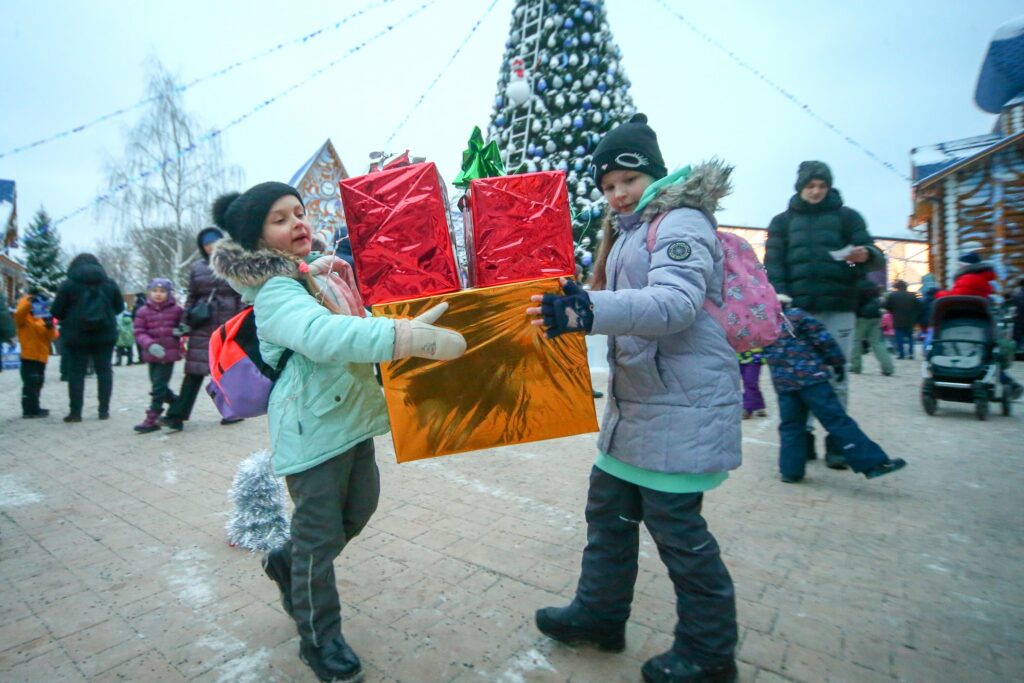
(964,362)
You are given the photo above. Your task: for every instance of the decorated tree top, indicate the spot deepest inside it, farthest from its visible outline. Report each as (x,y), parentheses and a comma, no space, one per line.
(561,88)
(43,260)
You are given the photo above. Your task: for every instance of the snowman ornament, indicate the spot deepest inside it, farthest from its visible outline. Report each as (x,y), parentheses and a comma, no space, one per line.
(518,89)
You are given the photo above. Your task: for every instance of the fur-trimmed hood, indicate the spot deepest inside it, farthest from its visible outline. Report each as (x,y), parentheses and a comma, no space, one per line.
(703,189)
(245,269)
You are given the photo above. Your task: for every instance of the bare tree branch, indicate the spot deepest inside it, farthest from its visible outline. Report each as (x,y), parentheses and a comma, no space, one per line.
(156,218)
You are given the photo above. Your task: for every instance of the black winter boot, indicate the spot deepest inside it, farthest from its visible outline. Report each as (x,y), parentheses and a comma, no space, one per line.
(173,423)
(670,667)
(572,625)
(833,455)
(277,565)
(335,661)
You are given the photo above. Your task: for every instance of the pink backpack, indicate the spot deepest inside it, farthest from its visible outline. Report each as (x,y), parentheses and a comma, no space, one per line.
(750,313)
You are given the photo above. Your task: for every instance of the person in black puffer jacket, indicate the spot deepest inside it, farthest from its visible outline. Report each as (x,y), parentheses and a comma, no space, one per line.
(223,303)
(87,305)
(800,262)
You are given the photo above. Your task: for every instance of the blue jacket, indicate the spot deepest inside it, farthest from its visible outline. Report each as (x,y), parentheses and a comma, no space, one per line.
(802,355)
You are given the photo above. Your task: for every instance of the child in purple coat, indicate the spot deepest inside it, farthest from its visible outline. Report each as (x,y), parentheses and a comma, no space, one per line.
(750,373)
(155,325)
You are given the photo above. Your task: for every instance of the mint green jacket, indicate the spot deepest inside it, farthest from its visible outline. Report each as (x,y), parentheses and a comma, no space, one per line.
(326,400)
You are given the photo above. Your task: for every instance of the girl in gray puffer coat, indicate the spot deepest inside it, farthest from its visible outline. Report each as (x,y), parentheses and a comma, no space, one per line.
(671,427)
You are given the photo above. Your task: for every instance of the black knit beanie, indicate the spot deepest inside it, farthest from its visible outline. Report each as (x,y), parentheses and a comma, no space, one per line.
(633,146)
(812,170)
(242,215)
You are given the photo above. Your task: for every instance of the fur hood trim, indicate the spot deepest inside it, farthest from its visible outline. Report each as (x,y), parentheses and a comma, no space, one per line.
(703,189)
(244,268)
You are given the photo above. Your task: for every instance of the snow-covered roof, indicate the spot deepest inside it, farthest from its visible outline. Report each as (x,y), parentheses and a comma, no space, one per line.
(933,162)
(1002,71)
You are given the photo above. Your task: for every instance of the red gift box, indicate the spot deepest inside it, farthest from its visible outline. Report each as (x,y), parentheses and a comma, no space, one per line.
(520,229)
(400,233)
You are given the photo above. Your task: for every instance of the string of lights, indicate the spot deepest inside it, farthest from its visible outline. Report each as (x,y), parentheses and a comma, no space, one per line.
(215,132)
(806,108)
(441,73)
(301,40)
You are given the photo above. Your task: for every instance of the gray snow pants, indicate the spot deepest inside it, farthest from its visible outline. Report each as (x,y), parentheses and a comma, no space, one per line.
(333,502)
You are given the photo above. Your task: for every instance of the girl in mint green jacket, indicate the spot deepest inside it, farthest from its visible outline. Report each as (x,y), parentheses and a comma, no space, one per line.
(325,407)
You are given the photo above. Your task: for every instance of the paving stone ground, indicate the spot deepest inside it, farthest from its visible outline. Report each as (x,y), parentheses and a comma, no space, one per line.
(114,564)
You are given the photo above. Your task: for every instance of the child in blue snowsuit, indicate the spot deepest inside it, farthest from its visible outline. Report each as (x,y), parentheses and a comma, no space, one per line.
(800,363)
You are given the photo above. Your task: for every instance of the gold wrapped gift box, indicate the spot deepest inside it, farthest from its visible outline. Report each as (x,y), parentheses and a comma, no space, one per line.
(512,386)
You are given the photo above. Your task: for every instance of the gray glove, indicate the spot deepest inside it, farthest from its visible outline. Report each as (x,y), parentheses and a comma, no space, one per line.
(157,350)
(419,337)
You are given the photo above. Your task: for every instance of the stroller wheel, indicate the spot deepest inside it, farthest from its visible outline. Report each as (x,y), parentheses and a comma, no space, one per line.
(929,402)
(981,408)
(981,395)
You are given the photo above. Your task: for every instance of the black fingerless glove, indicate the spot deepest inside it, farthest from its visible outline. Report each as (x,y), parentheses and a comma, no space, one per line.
(570,313)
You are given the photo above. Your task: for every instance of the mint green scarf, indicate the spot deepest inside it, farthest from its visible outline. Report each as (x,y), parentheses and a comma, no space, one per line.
(654,188)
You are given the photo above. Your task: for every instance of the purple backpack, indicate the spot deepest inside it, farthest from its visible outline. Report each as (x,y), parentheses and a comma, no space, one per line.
(750,313)
(240,382)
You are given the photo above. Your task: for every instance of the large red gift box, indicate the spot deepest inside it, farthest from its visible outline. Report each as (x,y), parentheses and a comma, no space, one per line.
(400,232)
(520,229)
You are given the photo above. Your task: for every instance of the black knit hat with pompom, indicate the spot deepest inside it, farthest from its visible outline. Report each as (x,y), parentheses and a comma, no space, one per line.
(242,215)
(633,146)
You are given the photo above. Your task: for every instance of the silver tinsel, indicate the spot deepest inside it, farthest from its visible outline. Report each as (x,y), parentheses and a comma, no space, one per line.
(259,521)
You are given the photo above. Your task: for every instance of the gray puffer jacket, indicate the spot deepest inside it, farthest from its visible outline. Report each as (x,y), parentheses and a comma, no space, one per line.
(674,383)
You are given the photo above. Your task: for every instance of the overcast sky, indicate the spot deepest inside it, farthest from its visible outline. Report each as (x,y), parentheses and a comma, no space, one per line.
(892,75)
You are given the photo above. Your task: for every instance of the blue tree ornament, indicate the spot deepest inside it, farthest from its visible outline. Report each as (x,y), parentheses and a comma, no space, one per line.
(585,38)
(577,122)
(577,13)
(578,164)
(499,120)
(542,85)
(580,151)
(587,105)
(588,17)
(568,23)
(602,86)
(587,259)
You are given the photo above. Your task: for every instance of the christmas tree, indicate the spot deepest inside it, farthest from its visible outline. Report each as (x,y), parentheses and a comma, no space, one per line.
(43,260)
(562,87)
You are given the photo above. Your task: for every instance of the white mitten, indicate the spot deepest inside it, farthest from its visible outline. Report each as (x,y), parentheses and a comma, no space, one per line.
(419,337)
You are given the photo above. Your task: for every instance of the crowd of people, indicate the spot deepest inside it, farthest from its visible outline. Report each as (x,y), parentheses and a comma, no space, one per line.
(678,391)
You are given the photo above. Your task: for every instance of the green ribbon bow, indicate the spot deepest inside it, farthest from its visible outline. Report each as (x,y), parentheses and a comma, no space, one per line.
(479,160)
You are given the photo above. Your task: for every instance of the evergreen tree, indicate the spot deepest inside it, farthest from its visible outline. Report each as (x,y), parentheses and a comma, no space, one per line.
(561,88)
(43,259)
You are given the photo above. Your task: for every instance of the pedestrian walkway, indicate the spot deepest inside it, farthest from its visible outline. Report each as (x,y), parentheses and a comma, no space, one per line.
(114,564)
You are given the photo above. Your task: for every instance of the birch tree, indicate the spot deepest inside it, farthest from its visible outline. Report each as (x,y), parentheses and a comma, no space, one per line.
(162,188)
